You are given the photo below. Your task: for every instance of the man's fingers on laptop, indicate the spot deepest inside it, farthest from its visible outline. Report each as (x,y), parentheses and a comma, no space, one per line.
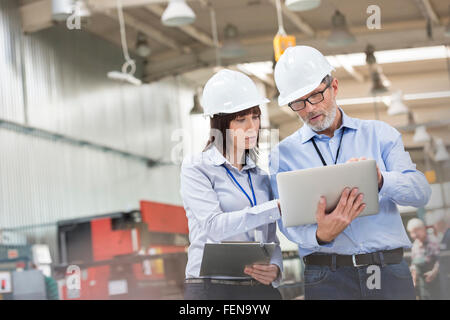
(344,198)
(350,202)
(360,209)
(357,206)
(321,207)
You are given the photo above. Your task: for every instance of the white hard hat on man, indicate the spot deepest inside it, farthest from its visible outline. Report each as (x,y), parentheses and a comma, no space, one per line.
(228,92)
(299,71)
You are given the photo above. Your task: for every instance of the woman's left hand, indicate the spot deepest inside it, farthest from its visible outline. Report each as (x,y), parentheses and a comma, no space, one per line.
(263,273)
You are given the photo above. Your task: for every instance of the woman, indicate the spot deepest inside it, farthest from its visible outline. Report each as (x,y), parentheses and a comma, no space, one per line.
(227,197)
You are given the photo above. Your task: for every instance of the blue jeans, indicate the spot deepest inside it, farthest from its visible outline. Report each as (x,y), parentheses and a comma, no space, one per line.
(351,283)
(213,291)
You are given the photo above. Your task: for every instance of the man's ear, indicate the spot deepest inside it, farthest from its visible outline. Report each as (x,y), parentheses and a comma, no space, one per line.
(335,86)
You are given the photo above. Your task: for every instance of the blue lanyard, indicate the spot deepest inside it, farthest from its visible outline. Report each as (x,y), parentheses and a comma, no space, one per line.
(253,203)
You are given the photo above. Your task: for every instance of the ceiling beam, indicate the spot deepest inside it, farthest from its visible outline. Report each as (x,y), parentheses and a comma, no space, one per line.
(148,31)
(406,34)
(295,19)
(343,61)
(36,16)
(188,29)
(103,5)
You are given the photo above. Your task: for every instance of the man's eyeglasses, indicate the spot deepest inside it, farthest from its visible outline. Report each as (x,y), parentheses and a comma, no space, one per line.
(315,98)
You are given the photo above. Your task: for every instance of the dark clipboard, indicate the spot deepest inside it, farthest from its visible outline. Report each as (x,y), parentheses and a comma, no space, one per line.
(230,258)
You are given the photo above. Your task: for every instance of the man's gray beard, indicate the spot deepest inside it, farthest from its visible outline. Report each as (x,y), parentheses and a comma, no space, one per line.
(327,122)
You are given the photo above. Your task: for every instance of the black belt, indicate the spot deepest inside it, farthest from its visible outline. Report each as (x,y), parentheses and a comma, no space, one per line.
(394,256)
(236,282)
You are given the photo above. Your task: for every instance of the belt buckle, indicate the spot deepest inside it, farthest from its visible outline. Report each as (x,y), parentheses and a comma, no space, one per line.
(354,261)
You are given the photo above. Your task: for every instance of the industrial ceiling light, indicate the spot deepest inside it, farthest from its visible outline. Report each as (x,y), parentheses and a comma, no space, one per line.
(197,108)
(441,151)
(178,13)
(421,134)
(340,35)
(380,84)
(80,9)
(142,47)
(302,5)
(397,106)
(232,47)
(124,76)
(129,67)
(447,30)
(62,9)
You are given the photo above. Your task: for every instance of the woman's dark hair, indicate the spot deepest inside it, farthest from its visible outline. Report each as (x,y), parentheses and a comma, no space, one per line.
(219,125)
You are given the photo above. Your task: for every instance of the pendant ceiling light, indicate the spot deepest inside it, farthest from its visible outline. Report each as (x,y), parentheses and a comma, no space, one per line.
(177,13)
(340,35)
(302,5)
(62,9)
(81,9)
(447,28)
(397,106)
(232,47)
(129,67)
(441,151)
(197,108)
(380,84)
(142,47)
(421,134)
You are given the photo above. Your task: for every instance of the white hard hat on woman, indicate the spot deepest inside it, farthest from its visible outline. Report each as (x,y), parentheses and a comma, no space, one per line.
(228,92)
(299,71)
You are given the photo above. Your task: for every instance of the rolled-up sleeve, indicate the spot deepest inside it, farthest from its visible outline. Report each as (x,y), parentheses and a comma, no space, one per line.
(402,183)
(201,202)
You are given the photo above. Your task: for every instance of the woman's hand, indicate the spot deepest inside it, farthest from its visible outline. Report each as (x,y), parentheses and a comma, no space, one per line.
(263,273)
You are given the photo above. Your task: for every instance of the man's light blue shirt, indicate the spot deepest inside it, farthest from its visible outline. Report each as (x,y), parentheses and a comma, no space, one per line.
(403,184)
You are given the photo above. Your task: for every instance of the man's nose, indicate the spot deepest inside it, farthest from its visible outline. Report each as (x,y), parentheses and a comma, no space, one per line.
(308,107)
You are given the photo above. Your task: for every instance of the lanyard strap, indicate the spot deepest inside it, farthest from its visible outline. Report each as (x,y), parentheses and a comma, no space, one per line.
(337,153)
(253,203)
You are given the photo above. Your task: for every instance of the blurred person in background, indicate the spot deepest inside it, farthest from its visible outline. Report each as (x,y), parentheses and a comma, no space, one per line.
(424,260)
(440,222)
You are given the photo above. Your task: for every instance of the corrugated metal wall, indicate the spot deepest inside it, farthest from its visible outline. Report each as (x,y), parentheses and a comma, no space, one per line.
(56,80)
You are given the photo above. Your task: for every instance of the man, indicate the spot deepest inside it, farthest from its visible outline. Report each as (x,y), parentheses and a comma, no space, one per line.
(339,249)
(424,260)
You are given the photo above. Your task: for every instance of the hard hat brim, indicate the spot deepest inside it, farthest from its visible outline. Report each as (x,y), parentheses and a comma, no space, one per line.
(282,101)
(246,105)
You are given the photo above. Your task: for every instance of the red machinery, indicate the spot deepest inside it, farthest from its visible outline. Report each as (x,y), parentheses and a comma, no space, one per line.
(139,254)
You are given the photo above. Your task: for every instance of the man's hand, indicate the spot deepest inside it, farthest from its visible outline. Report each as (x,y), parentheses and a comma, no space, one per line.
(380,176)
(263,273)
(329,226)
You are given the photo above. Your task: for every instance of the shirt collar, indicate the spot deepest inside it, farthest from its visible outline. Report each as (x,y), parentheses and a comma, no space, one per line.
(307,133)
(218,159)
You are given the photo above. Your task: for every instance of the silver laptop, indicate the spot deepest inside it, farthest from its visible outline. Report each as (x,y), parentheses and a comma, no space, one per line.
(300,190)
